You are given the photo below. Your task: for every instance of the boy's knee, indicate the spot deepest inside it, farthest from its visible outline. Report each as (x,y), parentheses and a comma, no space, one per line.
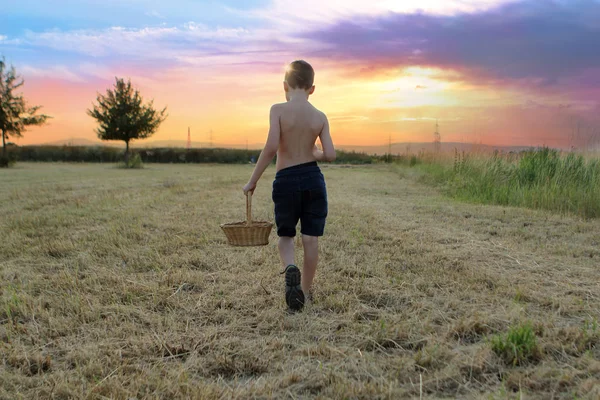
(309,240)
(283,240)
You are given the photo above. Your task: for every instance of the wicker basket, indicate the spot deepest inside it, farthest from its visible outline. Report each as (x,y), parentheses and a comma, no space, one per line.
(248,233)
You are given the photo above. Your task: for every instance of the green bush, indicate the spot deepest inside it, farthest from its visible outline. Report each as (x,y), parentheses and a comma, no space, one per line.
(134,162)
(352,157)
(4,163)
(8,160)
(518,346)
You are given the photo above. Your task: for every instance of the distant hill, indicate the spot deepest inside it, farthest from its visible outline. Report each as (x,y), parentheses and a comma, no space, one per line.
(414,148)
(76,142)
(195,145)
(147,144)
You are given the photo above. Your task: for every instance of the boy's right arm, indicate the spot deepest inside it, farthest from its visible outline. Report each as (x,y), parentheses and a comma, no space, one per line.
(268,153)
(327,142)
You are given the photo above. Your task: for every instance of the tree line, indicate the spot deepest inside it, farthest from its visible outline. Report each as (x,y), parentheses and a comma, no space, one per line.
(105,154)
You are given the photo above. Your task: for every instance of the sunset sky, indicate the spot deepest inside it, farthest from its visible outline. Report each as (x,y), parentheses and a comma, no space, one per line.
(491,71)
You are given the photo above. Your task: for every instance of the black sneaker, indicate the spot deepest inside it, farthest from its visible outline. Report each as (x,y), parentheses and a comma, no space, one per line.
(294,296)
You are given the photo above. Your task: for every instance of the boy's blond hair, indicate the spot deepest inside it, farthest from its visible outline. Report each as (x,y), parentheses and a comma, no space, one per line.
(300,75)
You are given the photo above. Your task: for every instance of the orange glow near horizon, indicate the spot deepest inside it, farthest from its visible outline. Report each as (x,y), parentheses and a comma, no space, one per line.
(362,111)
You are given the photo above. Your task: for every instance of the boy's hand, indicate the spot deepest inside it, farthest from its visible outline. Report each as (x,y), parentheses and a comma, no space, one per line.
(318,154)
(249,187)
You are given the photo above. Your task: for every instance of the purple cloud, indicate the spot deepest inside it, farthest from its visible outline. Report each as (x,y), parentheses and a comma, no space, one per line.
(540,41)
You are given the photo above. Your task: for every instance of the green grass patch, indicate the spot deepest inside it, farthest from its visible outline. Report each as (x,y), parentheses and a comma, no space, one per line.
(518,346)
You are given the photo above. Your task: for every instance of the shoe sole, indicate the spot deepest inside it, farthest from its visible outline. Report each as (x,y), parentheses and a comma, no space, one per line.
(294,296)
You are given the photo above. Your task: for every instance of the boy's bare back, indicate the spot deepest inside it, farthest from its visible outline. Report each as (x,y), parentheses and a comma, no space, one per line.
(294,127)
(300,125)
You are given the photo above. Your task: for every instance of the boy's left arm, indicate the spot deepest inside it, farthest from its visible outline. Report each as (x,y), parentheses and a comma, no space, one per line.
(318,153)
(271,147)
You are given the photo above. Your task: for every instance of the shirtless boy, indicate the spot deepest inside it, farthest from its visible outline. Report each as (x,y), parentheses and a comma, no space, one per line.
(299,191)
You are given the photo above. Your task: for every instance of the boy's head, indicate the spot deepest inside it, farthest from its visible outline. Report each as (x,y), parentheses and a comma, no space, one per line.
(299,75)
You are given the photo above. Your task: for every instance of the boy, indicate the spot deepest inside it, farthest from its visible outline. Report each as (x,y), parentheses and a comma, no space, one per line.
(299,191)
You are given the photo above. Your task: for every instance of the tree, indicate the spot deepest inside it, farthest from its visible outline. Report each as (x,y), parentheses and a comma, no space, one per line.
(123,116)
(15,115)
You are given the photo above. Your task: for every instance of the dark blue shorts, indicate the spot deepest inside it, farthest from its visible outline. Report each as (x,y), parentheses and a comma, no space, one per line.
(300,194)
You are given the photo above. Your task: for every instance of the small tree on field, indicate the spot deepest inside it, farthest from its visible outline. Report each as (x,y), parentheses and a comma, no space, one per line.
(123,116)
(15,115)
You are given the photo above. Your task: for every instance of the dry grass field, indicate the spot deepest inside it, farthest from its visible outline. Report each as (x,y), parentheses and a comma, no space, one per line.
(119,284)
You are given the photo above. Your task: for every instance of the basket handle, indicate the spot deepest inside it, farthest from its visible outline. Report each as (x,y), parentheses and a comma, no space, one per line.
(249,208)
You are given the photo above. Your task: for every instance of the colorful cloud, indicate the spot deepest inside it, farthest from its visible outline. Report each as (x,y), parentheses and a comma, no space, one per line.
(504,72)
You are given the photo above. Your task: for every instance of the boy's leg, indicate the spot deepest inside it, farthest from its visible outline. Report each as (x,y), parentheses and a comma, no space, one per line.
(311,258)
(294,296)
(287,214)
(286,219)
(286,250)
(314,214)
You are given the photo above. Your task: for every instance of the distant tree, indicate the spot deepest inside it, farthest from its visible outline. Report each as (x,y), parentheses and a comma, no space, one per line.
(15,115)
(123,116)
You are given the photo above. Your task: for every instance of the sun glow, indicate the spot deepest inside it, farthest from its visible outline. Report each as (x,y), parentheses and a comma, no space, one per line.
(415,87)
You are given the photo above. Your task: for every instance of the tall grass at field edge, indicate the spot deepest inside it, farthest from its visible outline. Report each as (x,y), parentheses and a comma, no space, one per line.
(541,179)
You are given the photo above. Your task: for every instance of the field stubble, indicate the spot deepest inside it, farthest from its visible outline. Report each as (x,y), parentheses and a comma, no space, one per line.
(119,284)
